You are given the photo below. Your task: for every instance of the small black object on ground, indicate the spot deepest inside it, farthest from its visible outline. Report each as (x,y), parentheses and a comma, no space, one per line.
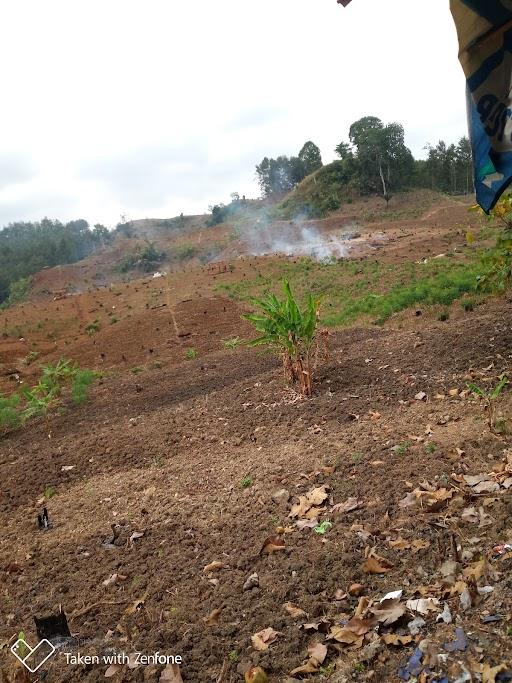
(43,520)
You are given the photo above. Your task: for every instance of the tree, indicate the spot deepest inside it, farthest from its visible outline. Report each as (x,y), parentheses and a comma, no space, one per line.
(464,157)
(311,157)
(385,163)
(276,176)
(344,151)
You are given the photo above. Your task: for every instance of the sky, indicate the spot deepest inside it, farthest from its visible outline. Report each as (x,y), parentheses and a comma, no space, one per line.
(151,108)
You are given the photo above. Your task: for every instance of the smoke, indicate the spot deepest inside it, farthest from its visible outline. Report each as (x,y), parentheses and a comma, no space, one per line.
(297,238)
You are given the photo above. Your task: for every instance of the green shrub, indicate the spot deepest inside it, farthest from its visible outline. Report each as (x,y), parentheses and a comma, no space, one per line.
(185,251)
(82,380)
(16,409)
(18,291)
(9,415)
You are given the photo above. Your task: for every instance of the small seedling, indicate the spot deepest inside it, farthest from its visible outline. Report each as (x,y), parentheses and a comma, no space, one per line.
(359,667)
(323,528)
(489,397)
(190,354)
(327,670)
(232,343)
(357,458)
(431,447)
(246,482)
(233,656)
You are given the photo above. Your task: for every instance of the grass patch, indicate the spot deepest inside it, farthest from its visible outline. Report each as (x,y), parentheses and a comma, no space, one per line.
(354,290)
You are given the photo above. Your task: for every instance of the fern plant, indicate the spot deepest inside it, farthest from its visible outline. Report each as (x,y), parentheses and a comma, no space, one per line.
(289,330)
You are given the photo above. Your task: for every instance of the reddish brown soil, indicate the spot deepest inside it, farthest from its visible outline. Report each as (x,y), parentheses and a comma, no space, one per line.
(165,452)
(175,474)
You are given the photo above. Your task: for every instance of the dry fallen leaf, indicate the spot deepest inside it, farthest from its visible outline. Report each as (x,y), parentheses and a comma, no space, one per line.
(314,498)
(272,545)
(399,544)
(359,626)
(348,506)
(214,567)
(389,611)
(137,605)
(256,675)
(394,639)
(322,626)
(476,570)
(112,670)
(423,605)
(264,639)
(294,611)
(171,674)
(317,654)
(213,617)
(489,672)
(418,545)
(341,634)
(377,565)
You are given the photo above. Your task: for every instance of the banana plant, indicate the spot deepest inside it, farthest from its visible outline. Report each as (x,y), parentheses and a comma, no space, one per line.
(290,331)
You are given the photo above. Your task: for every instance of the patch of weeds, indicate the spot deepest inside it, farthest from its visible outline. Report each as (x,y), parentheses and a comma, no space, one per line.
(9,415)
(402,448)
(468,305)
(357,458)
(136,371)
(431,447)
(185,251)
(247,481)
(232,343)
(93,328)
(113,320)
(80,386)
(233,656)
(49,492)
(31,357)
(359,667)
(191,353)
(443,316)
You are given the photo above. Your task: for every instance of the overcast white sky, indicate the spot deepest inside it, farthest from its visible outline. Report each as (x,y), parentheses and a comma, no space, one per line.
(154,107)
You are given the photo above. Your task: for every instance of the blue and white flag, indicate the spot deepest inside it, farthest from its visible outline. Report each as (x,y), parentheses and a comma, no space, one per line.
(485,36)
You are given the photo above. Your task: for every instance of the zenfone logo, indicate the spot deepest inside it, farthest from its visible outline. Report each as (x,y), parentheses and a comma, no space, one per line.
(32,658)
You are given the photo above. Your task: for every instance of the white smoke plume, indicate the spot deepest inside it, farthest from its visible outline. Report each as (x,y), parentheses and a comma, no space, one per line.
(297,238)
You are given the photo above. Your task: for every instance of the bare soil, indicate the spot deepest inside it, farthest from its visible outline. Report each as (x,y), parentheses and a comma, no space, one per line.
(189,453)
